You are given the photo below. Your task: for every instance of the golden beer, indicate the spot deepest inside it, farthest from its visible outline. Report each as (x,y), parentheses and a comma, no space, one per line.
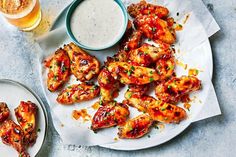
(25,14)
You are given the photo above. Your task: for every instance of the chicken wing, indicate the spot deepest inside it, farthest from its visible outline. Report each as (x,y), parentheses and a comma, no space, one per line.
(128,74)
(158,110)
(83,66)
(155,28)
(77,93)
(133,41)
(138,101)
(4,112)
(109,87)
(26,114)
(165,112)
(148,54)
(144,8)
(172,90)
(13,135)
(136,127)
(111,114)
(165,67)
(59,70)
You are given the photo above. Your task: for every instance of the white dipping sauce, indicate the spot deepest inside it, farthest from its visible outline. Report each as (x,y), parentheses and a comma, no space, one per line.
(97,23)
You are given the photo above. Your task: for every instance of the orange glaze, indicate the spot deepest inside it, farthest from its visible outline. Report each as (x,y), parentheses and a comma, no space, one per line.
(193,72)
(96,106)
(181,64)
(77,114)
(178,27)
(185,98)
(187,106)
(186,18)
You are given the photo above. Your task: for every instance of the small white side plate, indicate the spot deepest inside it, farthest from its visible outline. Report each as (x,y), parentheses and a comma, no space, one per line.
(12,93)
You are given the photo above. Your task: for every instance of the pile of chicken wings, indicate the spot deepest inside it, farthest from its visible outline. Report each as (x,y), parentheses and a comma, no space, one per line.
(21,135)
(138,65)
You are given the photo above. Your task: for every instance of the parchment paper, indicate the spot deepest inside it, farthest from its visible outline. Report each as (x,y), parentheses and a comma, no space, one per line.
(191,44)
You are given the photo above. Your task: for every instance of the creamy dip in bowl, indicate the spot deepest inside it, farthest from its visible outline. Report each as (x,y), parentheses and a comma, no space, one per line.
(96,24)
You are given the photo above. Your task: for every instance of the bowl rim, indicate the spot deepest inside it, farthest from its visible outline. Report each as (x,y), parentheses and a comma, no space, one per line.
(71,10)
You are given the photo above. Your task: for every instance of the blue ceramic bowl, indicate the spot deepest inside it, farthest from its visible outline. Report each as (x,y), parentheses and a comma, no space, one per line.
(69,32)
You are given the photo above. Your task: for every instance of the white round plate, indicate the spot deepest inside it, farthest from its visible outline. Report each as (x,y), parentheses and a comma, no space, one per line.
(173,130)
(12,93)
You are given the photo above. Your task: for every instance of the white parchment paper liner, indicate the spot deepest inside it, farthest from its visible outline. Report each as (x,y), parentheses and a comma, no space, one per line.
(191,38)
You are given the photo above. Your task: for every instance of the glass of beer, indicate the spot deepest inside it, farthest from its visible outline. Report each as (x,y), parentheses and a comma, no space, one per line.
(24,14)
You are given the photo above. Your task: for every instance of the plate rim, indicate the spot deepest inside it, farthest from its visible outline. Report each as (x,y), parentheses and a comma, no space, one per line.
(13,82)
(55,25)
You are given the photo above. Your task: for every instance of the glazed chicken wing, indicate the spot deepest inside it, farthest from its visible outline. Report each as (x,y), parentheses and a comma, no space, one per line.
(77,93)
(111,114)
(4,112)
(109,87)
(128,74)
(13,135)
(136,127)
(83,66)
(155,28)
(165,112)
(59,70)
(172,90)
(144,8)
(148,54)
(26,114)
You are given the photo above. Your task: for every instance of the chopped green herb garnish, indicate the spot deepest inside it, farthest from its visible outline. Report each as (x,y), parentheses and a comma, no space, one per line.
(39,130)
(63,69)
(151,72)
(169,86)
(132,68)
(163,109)
(55,77)
(129,73)
(129,95)
(151,79)
(171,67)
(149,136)
(100,102)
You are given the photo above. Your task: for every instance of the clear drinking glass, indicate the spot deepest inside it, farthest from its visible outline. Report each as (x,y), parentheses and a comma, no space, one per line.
(24,14)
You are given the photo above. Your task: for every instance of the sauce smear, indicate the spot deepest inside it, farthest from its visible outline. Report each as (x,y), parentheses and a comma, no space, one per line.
(77,114)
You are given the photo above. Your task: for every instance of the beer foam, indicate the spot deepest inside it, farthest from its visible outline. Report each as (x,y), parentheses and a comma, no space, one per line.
(23,13)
